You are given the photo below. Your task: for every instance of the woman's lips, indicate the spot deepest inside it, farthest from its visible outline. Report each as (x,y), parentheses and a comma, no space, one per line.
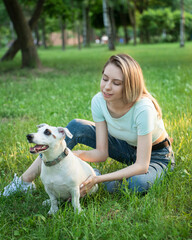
(107,95)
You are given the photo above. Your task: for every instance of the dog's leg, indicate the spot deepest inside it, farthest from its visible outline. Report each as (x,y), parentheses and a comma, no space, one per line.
(47,202)
(54,205)
(75,194)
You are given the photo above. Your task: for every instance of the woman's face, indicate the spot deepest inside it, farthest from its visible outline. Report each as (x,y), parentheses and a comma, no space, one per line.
(112,83)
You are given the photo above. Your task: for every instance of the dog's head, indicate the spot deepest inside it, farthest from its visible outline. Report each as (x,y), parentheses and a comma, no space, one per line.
(47,137)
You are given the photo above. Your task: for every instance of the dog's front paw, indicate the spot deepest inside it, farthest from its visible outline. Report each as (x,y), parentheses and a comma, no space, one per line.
(78,210)
(52,211)
(47,202)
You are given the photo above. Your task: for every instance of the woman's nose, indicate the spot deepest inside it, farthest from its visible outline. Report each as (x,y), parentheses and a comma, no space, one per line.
(108,85)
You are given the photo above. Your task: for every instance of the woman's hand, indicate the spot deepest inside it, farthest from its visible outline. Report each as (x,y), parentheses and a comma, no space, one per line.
(86,186)
(77,153)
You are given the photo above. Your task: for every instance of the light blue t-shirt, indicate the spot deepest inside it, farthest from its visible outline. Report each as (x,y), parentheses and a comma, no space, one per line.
(141,119)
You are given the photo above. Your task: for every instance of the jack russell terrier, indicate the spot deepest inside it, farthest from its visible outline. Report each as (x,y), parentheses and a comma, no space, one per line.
(61,172)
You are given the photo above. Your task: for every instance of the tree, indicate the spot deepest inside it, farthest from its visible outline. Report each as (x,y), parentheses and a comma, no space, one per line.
(132,13)
(6,28)
(63,26)
(124,21)
(182,41)
(56,10)
(108,25)
(86,35)
(156,23)
(24,39)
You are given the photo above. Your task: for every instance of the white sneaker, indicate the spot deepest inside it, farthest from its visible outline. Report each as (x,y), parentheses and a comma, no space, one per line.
(17,185)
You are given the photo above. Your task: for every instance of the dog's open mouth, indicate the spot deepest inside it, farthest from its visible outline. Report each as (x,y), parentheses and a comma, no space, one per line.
(38,148)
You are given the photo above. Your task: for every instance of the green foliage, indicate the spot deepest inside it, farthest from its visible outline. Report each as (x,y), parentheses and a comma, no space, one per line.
(160,22)
(174,32)
(97,15)
(62,91)
(3,15)
(164,25)
(5,33)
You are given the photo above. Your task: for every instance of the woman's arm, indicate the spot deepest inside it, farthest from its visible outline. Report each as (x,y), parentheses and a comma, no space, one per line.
(100,154)
(141,165)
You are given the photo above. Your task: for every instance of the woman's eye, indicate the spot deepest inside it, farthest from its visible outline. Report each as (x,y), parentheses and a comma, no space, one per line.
(117,84)
(47,132)
(104,79)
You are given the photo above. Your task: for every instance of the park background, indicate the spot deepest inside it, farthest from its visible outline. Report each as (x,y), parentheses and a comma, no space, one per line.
(41,82)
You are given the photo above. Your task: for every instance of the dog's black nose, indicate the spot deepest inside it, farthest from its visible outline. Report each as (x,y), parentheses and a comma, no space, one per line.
(30,137)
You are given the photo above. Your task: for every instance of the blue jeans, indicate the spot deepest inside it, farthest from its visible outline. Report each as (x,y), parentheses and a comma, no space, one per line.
(84,133)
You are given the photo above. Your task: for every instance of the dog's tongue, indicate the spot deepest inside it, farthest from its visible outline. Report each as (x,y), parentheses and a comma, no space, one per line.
(38,148)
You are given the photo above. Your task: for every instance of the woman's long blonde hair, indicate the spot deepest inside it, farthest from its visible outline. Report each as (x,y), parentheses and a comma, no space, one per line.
(134,84)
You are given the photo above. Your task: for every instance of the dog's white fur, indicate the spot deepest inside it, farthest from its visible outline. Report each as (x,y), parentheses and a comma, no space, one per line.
(62,180)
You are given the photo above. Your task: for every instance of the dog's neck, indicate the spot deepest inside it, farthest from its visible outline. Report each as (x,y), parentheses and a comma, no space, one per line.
(54,152)
(56,160)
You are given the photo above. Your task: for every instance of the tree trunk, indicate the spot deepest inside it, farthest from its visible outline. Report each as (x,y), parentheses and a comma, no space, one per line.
(132,11)
(132,19)
(112,19)
(37,40)
(12,30)
(15,47)
(126,37)
(86,36)
(63,34)
(108,25)
(141,6)
(134,23)
(12,51)
(124,24)
(43,32)
(78,30)
(182,23)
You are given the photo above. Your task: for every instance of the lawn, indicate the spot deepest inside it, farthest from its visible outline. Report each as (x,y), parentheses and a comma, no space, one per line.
(62,91)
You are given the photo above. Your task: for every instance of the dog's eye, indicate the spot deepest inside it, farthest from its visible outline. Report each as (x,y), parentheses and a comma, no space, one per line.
(47,132)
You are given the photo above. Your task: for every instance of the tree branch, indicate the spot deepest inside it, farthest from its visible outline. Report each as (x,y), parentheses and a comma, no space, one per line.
(15,47)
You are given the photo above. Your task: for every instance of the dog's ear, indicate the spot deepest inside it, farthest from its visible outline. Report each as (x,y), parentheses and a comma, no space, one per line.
(65,131)
(41,125)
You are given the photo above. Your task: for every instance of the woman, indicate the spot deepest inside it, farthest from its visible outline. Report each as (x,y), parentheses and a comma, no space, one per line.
(128,128)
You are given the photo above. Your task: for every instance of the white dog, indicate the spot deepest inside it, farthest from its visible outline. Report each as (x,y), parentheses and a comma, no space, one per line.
(61,172)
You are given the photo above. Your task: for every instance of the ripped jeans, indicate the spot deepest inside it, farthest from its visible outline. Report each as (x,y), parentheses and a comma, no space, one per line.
(84,133)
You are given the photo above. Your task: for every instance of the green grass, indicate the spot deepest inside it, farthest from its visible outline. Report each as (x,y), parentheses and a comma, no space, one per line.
(61,92)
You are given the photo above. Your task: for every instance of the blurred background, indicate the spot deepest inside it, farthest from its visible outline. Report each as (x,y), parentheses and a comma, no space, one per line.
(84,22)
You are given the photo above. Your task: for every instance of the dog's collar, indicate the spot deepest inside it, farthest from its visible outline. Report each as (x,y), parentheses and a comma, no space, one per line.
(56,160)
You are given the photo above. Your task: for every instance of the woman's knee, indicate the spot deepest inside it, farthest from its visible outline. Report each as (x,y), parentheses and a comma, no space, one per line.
(138,183)
(78,126)
(135,184)
(73,124)
(112,186)
(83,132)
